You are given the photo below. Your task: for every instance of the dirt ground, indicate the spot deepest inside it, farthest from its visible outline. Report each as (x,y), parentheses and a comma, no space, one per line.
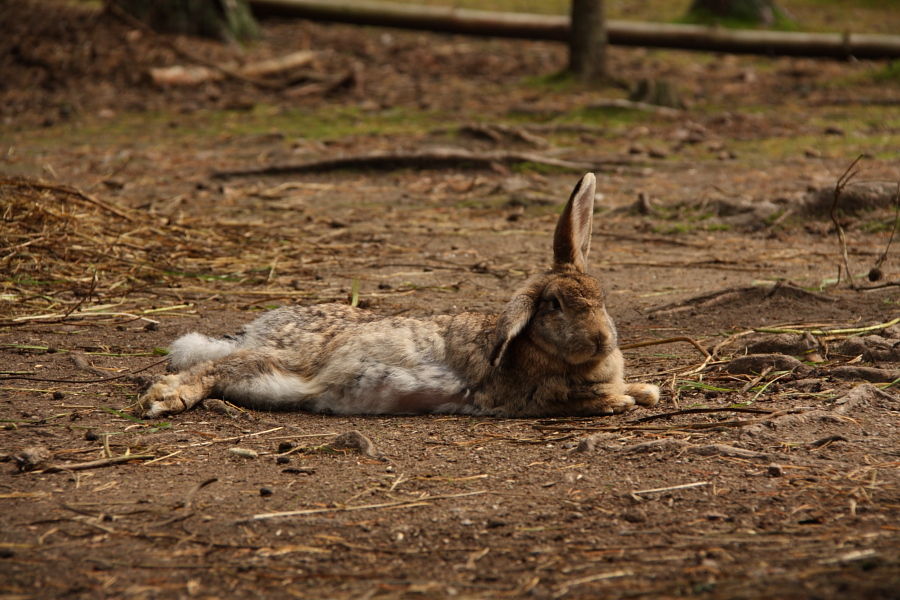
(776,478)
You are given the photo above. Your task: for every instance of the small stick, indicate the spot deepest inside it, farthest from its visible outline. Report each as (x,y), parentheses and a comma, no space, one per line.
(749,385)
(701,411)
(672,488)
(851,331)
(189,497)
(842,182)
(94,464)
(887,248)
(266,431)
(667,341)
(150,462)
(315,511)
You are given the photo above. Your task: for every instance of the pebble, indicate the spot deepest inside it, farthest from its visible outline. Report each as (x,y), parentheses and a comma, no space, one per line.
(244,452)
(354,440)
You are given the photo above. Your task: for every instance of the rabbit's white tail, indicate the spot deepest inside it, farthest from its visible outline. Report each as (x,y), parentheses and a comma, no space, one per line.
(192,348)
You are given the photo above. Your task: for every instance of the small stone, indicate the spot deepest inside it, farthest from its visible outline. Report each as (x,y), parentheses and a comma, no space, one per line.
(494,523)
(300,470)
(244,452)
(32,458)
(265,491)
(151,326)
(60,395)
(834,130)
(657,152)
(282,460)
(285,447)
(354,440)
(218,406)
(715,516)
(634,516)
(775,470)
(91,436)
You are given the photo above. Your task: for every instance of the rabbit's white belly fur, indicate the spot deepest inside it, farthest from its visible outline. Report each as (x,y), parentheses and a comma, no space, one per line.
(387,388)
(380,389)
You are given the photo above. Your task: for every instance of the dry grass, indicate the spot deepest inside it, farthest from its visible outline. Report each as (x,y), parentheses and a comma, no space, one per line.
(63,251)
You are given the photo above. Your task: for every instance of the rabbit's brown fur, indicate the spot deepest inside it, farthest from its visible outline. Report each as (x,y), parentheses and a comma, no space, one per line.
(552,352)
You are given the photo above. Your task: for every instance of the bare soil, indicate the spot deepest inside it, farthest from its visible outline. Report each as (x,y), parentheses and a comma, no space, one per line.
(123,239)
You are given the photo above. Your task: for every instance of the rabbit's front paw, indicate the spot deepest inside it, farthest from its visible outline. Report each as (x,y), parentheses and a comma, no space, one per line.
(644,394)
(162,399)
(612,405)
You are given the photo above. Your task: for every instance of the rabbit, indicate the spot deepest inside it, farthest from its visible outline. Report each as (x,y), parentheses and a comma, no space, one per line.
(552,352)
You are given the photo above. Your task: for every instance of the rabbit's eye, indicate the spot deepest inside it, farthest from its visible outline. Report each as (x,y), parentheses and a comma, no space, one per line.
(554,304)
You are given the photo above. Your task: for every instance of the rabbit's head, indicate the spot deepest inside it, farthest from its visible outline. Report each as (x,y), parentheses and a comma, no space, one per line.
(560,314)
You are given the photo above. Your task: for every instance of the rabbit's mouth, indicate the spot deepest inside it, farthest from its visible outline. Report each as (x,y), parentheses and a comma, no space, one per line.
(591,352)
(603,348)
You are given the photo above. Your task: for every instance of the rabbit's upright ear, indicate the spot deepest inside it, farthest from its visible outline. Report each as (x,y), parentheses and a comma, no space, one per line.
(572,240)
(512,321)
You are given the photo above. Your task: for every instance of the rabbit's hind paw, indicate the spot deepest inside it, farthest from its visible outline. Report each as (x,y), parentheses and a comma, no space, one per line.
(163,398)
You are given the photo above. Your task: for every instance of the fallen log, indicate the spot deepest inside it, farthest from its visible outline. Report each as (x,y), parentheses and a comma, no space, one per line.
(448,19)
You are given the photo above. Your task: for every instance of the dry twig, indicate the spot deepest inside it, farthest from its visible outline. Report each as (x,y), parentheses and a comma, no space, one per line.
(842,182)
(424,500)
(95,464)
(671,340)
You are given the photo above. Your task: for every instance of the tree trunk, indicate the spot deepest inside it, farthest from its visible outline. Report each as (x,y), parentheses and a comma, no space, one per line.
(225,20)
(757,12)
(587,41)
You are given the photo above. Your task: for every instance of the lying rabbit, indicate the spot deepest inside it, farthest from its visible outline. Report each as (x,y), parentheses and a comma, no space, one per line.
(551,352)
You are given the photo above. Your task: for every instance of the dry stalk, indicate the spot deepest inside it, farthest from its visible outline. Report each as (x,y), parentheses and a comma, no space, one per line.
(842,182)
(671,340)
(95,464)
(423,501)
(876,270)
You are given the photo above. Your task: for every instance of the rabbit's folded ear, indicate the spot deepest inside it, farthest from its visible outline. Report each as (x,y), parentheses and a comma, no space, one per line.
(572,240)
(512,321)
